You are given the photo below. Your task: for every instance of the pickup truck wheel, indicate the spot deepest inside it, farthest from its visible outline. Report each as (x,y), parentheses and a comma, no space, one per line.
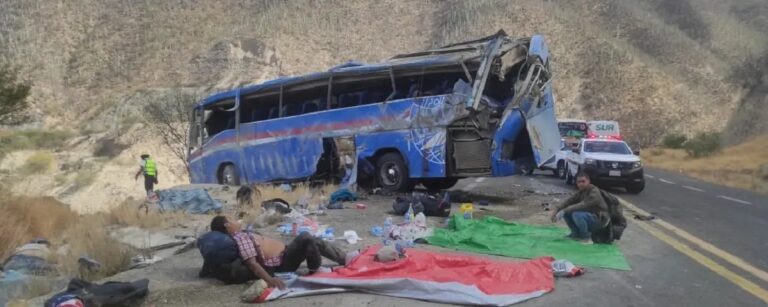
(568,177)
(635,187)
(561,169)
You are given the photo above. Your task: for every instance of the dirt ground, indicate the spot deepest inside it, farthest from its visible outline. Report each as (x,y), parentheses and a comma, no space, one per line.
(174,281)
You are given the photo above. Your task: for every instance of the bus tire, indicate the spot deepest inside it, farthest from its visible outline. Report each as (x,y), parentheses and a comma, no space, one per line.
(229,175)
(392,173)
(436,184)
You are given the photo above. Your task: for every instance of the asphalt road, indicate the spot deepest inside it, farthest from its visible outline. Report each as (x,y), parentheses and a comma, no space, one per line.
(732,220)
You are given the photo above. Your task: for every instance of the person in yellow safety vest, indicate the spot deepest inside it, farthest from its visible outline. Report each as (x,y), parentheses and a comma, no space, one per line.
(149,169)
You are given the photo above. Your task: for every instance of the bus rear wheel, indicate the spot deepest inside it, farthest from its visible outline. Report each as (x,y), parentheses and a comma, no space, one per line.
(229,175)
(439,184)
(392,173)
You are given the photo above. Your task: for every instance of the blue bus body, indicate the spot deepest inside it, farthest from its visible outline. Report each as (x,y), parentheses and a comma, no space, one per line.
(482,118)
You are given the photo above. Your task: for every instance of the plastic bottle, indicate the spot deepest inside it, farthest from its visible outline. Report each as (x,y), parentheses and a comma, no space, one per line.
(409,215)
(420,220)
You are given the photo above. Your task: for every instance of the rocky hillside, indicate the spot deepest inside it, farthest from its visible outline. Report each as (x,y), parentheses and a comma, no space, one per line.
(655,65)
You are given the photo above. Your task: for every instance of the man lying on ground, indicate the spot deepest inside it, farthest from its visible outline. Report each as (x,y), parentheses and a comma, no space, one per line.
(585,211)
(265,256)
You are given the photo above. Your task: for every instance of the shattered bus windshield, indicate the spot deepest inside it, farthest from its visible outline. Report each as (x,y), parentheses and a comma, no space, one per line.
(478,108)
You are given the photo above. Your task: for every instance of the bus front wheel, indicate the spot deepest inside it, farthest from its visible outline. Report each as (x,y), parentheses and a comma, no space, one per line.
(229,175)
(392,173)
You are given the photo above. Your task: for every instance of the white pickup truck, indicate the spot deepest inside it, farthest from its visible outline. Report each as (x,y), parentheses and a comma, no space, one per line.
(608,162)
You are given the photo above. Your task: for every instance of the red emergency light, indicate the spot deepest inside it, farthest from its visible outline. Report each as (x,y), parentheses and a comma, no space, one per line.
(605,137)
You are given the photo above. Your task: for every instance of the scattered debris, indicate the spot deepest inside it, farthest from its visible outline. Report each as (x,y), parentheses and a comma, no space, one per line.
(564,268)
(388,254)
(466,210)
(246,195)
(277,204)
(335,206)
(89,264)
(351,236)
(342,195)
(144,240)
(546,206)
(82,293)
(641,217)
(360,206)
(194,201)
(141,261)
(429,204)
(286,187)
(254,291)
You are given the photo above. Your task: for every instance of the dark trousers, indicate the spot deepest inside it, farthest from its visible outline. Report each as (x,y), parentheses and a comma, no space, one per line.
(149,183)
(306,247)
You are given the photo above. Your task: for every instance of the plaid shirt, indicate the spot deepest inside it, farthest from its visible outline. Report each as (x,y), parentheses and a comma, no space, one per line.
(248,248)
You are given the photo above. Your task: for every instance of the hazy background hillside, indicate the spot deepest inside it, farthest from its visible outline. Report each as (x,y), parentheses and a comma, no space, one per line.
(654,65)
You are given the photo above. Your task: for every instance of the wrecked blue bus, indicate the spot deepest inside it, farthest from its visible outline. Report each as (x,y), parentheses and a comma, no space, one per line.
(472,109)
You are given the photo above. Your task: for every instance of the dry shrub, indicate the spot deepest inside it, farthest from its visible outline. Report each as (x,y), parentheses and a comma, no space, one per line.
(39,162)
(85,178)
(22,219)
(89,237)
(130,213)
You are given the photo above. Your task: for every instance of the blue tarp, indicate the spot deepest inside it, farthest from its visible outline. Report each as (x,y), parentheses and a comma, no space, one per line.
(195,201)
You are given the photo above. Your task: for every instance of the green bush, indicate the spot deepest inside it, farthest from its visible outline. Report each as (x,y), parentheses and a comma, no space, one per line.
(673,141)
(37,163)
(703,144)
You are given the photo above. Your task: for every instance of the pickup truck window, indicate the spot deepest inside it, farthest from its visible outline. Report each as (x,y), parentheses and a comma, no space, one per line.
(607,147)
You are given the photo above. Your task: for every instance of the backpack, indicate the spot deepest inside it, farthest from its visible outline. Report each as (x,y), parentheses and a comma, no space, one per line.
(430,205)
(110,294)
(617,223)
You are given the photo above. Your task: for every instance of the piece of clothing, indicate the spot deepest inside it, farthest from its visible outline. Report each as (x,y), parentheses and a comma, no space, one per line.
(589,200)
(581,223)
(248,247)
(306,247)
(149,167)
(106,294)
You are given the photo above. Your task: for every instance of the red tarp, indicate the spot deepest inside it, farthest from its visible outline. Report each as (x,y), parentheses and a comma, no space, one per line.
(439,277)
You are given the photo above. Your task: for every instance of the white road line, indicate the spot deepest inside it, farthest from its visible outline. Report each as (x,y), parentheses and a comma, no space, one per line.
(649,176)
(479,180)
(666,181)
(470,186)
(735,200)
(692,188)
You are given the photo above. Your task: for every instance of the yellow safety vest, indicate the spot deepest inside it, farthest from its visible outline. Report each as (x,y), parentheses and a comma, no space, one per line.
(149,167)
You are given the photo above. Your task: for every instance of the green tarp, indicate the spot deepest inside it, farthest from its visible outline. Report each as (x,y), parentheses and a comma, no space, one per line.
(495,236)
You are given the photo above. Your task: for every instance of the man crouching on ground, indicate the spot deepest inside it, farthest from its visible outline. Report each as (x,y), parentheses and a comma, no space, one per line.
(585,211)
(265,256)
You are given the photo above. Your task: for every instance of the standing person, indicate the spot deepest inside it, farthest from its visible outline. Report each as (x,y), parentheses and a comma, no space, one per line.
(148,167)
(265,256)
(585,211)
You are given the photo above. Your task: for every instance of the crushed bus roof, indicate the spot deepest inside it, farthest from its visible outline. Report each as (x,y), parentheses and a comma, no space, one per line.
(447,56)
